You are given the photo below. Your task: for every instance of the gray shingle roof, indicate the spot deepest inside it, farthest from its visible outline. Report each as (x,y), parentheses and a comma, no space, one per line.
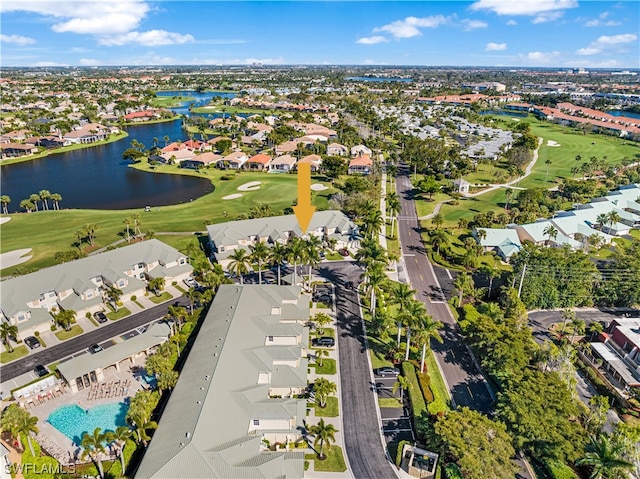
(206,428)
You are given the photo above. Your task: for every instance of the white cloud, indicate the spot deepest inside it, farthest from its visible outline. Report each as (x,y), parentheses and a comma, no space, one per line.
(372,40)
(523,7)
(495,47)
(547,16)
(512,23)
(540,58)
(90,62)
(151,38)
(237,61)
(17,39)
(473,24)
(410,26)
(49,64)
(373,62)
(85,17)
(607,42)
(600,21)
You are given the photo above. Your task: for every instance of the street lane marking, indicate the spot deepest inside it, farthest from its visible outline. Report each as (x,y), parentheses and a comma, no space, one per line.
(448,273)
(408,255)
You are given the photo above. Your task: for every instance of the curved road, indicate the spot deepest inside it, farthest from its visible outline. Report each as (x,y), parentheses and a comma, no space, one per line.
(82,342)
(465,381)
(364,446)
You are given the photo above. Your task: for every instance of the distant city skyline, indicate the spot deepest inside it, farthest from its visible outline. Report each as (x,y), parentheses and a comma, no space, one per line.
(500,33)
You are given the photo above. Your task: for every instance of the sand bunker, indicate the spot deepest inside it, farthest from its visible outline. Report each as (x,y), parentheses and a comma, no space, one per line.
(553,143)
(14,257)
(252,185)
(232,197)
(4,219)
(319,187)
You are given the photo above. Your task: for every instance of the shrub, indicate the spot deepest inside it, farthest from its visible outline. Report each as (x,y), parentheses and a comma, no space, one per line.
(559,470)
(418,406)
(134,297)
(452,471)
(227,177)
(37,334)
(87,315)
(399,453)
(53,327)
(424,380)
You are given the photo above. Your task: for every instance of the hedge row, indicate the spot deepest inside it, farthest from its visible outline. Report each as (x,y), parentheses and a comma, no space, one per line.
(418,406)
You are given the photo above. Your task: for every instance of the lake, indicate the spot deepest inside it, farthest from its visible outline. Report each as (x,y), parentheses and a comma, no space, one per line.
(628,114)
(98,177)
(199,99)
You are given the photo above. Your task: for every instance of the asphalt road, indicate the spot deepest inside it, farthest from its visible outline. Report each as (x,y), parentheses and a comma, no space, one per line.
(82,342)
(363,443)
(466,383)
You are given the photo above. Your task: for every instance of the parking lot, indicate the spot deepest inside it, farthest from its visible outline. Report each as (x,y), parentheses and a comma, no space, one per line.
(396,422)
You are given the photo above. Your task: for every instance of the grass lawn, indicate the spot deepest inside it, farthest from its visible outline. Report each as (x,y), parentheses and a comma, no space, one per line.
(328,366)
(231,109)
(436,383)
(389,402)
(121,313)
(333,256)
(330,411)
(64,335)
(165,296)
(425,206)
(393,244)
(468,207)
(376,350)
(32,230)
(327,331)
(170,101)
(40,465)
(17,352)
(333,463)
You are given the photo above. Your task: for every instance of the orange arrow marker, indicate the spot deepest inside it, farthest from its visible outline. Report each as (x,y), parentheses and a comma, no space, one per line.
(304,210)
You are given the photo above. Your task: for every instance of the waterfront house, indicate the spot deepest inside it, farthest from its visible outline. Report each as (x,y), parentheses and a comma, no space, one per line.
(233,161)
(201,161)
(282,164)
(15,150)
(89,133)
(177,156)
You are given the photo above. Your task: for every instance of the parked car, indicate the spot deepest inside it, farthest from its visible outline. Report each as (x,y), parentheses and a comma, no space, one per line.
(322,255)
(40,370)
(95,348)
(349,285)
(190,282)
(343,252)
(323,298)
(100,317)
(324,341)
(387,371)
(32,342)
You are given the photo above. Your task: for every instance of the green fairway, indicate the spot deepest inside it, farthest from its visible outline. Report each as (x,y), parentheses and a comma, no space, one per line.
(48,232)
(572,143)
(468,207)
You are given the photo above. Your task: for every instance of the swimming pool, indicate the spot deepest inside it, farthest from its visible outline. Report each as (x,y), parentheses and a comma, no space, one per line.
(73,421)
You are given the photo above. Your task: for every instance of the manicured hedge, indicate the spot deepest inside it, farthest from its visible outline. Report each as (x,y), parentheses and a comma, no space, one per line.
(418,405)
(399,453)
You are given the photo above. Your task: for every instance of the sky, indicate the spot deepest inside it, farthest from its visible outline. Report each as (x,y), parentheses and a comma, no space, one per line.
(518,33)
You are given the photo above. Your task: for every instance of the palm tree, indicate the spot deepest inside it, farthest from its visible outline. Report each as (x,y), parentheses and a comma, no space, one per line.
(439,238)
(612,218)
(462,284)
(312,246)
(45,196)
(567,315)
(508,193)
(395,207)
(427,330)
(412,317)
(141,426)
(119,438)
(90,231)
(240,263)
(322,320)
(324,435)
(56,198)
(605,456)
(322,388)
(374,277)
(166,140)
(259,254)
(113,294)
(5,200)
(492,272)
(551,232)
(296,253)
(402,295)
(27,425)
(320,353)
(277,255)
(403,384)
(437,220)
(579,327)
(127,223)
(65,318)
(8,332)
(34,198)
(602,219)
(92,445)
(548,163)
(373,223)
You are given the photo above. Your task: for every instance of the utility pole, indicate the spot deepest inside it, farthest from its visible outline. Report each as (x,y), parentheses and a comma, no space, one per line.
(524,269)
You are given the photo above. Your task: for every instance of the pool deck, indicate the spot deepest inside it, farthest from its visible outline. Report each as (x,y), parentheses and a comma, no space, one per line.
(56,443)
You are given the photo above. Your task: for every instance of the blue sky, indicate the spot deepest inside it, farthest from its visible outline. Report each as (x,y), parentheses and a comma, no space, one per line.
(541,33)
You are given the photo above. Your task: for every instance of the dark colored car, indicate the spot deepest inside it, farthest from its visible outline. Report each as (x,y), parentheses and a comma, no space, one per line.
(324,341)
(32,342)
(322,255)
(343,252)
(349,285)
(40,370)
(100,317)
(386,371)
(95,348)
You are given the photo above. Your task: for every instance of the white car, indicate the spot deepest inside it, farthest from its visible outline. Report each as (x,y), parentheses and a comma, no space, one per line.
(190,282)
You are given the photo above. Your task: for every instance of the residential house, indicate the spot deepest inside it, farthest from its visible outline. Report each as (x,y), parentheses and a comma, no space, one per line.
(240,381)
(504,242)
(233,161)
(47,141)
(292,145)
(172,157)
(27,301)
(201,161)
(140,116)
(360,150)
(360,165)
(314,160)
(15,150)
(89,133)
(259,162)
(282,164)
(336,149)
